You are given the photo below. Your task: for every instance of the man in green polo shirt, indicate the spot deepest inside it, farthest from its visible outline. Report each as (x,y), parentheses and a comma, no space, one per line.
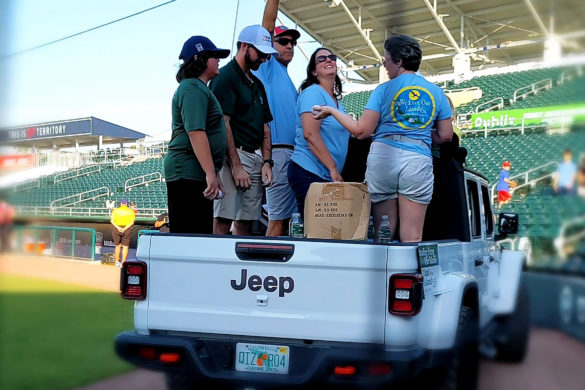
(245,107)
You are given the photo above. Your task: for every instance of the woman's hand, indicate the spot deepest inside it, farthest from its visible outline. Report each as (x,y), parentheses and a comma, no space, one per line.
(321,112)
(335,175)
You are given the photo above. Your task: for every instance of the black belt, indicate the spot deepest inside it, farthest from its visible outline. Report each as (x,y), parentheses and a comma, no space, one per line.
(283,146)
(246,149)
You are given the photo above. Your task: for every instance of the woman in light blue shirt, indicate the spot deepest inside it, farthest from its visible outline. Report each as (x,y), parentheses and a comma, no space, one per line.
(403,116)
(320,144)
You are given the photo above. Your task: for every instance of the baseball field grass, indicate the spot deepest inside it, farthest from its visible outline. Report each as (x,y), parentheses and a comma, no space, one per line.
(58,336)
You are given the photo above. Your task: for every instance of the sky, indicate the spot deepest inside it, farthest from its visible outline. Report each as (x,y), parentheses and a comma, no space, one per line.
(123,73)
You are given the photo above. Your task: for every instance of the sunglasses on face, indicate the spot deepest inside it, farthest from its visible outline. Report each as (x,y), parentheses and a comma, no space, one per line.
(261,56)
(320,59)
(286,41)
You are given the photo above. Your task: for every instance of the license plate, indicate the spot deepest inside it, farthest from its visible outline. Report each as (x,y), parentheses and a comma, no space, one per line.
(271,359)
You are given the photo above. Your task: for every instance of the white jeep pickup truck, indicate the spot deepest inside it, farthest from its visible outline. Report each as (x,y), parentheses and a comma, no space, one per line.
(281,311)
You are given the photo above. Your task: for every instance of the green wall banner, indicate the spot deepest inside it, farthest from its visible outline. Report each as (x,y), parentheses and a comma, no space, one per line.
(552,116)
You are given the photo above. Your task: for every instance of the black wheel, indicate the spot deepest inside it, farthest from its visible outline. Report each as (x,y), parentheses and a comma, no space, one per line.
(462,373)
(511,339)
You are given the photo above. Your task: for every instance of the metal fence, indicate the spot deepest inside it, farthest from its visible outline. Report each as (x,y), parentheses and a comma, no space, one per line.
(71,242)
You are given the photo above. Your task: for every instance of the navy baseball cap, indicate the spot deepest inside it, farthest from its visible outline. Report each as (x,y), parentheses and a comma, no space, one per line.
(124,201)
(198,44)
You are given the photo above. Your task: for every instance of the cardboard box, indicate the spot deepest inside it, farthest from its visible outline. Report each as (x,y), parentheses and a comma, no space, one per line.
(339,211)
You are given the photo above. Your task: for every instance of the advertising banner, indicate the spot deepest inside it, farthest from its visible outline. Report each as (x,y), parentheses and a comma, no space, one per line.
(17,161)
(50,130)
(552,116)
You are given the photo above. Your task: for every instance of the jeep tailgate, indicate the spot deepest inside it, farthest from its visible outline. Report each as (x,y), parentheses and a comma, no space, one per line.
(326,290)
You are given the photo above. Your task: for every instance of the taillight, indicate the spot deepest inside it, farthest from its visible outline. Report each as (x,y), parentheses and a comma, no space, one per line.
(133,280)
(405,294)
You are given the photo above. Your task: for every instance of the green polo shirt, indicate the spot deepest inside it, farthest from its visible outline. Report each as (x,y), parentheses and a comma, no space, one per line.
(245,101)
(194,108)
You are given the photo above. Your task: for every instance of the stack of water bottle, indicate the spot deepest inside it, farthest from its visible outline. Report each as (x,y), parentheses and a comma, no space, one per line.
(295,226)
(382,236)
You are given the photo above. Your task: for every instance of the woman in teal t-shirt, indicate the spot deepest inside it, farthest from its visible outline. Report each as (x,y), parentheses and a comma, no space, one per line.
(403,117)
(198,142)
(320,145)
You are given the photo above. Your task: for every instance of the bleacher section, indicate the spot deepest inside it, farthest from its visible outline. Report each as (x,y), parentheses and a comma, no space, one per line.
(569,92)
(355,102)
(541,212)
(111,176)
(502,85)
(523,151)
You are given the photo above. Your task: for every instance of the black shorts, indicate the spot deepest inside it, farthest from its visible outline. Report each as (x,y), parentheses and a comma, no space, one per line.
(122,238)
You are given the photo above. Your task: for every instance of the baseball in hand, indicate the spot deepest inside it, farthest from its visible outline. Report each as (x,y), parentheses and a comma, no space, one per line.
(316,110)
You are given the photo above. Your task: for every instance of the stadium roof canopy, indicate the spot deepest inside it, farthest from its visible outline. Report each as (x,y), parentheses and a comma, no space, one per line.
(492,32)
(68,133)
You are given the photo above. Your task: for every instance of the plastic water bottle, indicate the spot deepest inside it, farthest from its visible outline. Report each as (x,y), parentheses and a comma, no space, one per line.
(295,226)
(384,233)
(371,230)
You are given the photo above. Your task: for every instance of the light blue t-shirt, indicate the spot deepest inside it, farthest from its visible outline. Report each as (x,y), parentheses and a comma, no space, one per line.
(334,135)
(408,105)
(282,98)
(566,172)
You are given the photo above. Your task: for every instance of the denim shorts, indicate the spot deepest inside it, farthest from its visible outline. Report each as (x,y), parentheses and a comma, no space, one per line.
(393,171)
(300,180)
(280,198)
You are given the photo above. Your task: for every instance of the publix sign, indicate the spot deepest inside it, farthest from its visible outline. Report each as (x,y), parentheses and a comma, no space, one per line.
(555,115)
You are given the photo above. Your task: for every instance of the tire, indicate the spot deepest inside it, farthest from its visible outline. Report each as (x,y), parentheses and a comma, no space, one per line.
(462,373)
(511,338)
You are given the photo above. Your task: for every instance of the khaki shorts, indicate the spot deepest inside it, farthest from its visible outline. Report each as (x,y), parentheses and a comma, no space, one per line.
(236,204)
(393,171)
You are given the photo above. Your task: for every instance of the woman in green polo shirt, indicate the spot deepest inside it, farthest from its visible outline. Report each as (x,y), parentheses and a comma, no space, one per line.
(198,142)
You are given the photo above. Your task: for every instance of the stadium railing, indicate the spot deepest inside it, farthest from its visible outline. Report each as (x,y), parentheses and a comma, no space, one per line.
(527,180)
(71,242)
(81,197)
(146,213)
(572,233)
(142,180)
(532,89)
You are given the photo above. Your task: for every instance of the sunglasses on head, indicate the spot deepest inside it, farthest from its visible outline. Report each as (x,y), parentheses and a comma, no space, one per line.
(260,55)
(286,41)
(320,59)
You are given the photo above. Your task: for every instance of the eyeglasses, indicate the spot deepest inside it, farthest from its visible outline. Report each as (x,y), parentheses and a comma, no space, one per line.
(261,56)
(286,41)
(320,59)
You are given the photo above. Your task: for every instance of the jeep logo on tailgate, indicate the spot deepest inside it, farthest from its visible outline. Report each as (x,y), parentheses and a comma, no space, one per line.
(284,284)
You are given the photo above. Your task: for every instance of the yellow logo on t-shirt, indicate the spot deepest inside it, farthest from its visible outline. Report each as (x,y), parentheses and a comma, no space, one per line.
(413,107)
(414,95)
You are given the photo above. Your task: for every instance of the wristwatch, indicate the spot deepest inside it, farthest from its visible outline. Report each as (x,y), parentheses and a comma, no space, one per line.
(269,161)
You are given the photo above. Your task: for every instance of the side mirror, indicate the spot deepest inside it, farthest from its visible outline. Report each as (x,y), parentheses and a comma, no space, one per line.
(508,223)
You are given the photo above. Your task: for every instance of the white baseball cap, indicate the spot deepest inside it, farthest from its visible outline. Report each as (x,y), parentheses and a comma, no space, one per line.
(259,37)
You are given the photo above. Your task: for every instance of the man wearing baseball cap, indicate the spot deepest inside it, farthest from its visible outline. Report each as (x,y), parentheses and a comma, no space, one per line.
(282,97)
(246,113)
(504,182)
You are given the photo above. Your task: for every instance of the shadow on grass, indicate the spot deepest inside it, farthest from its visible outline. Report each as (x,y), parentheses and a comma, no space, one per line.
(59,341)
